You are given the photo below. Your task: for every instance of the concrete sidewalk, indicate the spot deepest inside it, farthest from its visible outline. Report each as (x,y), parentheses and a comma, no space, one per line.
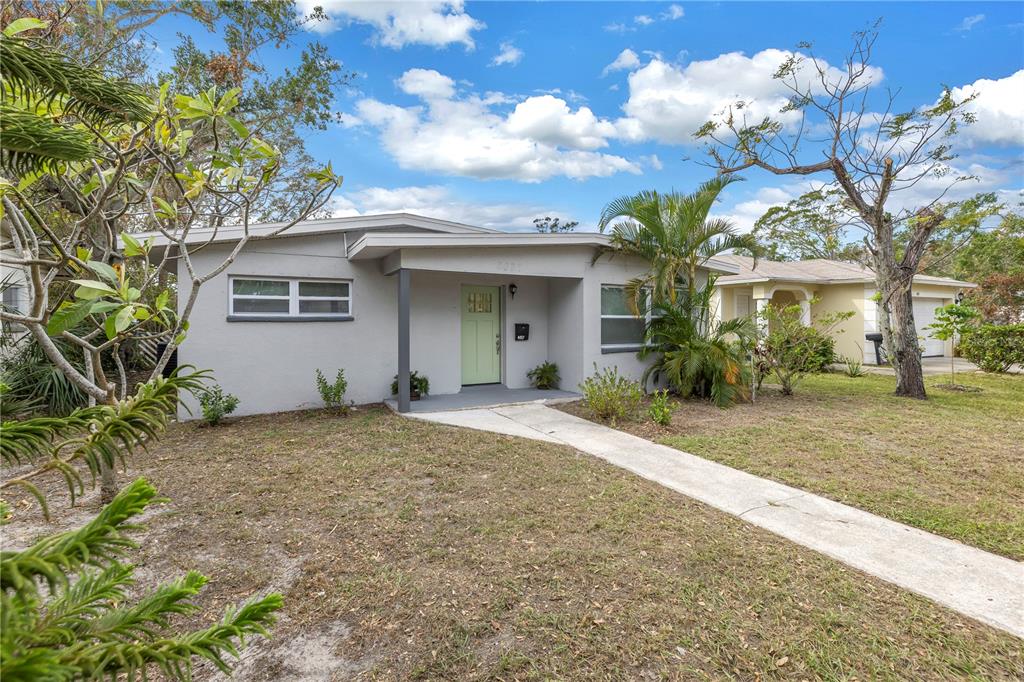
(976,583)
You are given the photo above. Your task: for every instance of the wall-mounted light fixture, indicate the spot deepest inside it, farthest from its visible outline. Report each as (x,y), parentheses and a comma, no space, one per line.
(512,289)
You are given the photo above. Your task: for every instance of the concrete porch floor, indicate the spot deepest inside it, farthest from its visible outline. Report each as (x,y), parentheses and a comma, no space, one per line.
(489,395)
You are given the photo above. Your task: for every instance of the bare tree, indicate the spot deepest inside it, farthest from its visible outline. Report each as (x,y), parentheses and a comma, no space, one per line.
(829,128)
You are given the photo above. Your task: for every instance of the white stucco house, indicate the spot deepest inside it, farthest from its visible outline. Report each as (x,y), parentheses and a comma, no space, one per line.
(381,295)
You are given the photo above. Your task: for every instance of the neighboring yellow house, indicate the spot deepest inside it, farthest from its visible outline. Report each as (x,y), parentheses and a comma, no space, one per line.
(833,286)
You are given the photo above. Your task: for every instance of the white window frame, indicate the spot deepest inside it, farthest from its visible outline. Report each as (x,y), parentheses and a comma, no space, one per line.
(646,317)
(293,297)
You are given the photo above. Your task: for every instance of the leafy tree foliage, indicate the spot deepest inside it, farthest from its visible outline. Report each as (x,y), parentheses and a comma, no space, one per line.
(673,232)
(788,349)
(810,226)
(554,225)
(951,323)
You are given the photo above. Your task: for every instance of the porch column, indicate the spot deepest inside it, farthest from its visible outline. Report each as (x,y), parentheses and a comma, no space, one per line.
(403,340)
(761,304)
(805,312)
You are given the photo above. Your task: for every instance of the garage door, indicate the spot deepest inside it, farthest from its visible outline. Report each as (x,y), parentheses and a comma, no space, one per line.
(924,315)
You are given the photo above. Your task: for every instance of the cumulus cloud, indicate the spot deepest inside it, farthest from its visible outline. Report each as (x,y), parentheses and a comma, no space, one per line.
(507,54)
(643,20)
(626,61)
(439,23)
(473,136)
(436,201)
(998,108)
(668,102)
(673,12)
(970,22)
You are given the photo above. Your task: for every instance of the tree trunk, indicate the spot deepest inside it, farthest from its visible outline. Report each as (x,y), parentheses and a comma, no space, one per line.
(896,315)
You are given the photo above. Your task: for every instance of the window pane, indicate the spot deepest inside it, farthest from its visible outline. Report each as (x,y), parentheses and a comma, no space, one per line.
(259,287)
(622,331)
(269,306)
(478,302)
(324,307)
(613,301)
(323,289)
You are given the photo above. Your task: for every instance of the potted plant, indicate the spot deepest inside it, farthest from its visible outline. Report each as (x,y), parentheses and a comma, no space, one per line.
(418,386)
(544,376)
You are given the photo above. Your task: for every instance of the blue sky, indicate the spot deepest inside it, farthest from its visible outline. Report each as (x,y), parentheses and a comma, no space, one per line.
(494,113)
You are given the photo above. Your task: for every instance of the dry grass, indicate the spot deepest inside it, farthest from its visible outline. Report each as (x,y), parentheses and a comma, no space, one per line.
(407,550)
(953,465)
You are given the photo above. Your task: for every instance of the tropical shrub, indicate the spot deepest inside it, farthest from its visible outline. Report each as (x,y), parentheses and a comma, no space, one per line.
(853,368)
(216,404)
(66,608)
(418,385)
(544,376)
(333,394)
(611,396)
(698,356)
(660,410)
(67,614)
(994,348)
(31,378)
(789,349)
(821,351)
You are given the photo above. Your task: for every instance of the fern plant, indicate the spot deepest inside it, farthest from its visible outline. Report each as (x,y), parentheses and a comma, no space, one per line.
(333,394)
(544,376)
(66,614)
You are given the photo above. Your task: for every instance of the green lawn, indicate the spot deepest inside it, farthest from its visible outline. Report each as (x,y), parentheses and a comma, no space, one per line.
(953,464)
(407,550)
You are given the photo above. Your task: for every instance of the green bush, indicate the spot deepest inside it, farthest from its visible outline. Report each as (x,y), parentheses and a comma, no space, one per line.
(994,348)
(32,379)
(821,351)
(790,350)
(216,404)
(544,376)
(418,385)
(611,396)
(333,394)
(660,411)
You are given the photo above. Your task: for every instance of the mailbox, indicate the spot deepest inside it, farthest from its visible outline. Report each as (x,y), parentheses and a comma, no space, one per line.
(522,331)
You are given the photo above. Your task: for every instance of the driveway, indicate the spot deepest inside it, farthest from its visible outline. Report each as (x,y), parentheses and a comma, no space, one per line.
(976,583)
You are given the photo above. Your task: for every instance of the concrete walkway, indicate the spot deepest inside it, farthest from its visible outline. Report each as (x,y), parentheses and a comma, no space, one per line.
(976,583)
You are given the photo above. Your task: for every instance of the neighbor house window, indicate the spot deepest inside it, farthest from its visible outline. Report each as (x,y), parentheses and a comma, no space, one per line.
(289,298)
(621,330)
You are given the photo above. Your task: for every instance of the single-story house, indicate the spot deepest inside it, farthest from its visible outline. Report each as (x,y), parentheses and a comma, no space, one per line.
(374,295)
(823,286)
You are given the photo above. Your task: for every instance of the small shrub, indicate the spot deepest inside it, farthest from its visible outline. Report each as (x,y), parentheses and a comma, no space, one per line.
(611,396)
(790,350)
(854,368)
(821,351)
(660,411)
(544,376)
(418,385)
(216,404)
(333,395)
(994,348)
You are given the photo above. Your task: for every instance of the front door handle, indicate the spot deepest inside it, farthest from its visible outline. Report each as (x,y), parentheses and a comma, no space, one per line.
(497,343)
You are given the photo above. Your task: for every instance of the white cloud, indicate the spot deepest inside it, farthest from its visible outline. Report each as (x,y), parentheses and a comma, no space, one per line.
(998,107)
(467,135)
(436,201)
(643,20)
(508,54)
(618,28)
(668,102)
(626,61)
(970,22)
(439,23)
(673,12)
(426,83)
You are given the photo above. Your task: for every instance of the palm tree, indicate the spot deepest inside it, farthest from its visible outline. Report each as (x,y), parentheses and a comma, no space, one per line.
(673,232)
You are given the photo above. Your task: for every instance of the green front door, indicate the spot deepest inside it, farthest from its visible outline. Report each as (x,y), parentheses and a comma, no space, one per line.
(481,335)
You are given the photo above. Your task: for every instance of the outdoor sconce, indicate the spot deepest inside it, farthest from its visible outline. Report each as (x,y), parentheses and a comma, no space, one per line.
(512,289)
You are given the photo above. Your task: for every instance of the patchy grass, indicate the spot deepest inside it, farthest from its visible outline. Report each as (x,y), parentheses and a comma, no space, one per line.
(408,550)
(952,465)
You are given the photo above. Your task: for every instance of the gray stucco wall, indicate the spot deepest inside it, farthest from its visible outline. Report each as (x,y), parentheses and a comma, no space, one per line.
(270,365)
